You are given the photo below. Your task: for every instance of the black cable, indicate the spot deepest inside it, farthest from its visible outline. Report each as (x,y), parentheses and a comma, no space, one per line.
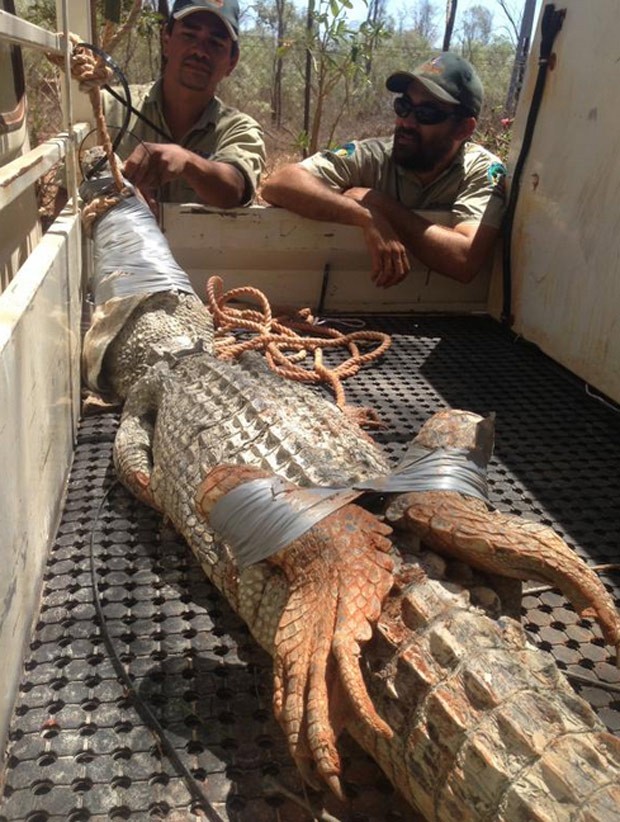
(551,24)
(138,703)
(138,114)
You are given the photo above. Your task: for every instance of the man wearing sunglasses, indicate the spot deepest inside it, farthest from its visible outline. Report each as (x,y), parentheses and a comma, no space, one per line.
(429,164)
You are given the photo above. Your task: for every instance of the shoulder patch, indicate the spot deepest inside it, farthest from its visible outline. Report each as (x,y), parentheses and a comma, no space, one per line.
(496,173)
(345,150)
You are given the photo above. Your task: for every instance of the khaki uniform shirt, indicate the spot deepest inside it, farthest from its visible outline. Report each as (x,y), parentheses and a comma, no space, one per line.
(471,188)
(222,133)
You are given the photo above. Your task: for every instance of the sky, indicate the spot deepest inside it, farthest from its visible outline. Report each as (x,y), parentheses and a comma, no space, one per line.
(395,6)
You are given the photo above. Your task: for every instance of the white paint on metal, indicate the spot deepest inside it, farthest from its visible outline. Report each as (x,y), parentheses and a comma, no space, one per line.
(21,174)
(566,240)
(286,256)
(40,315)
(23,33)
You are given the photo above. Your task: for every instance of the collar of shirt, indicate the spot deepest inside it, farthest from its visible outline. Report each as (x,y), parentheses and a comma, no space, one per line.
(210,115)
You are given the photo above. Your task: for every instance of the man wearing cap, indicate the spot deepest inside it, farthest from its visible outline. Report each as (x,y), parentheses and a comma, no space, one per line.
(429,164)
(193,147)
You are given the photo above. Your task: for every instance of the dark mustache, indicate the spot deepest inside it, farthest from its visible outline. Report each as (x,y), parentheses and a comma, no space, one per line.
(407,132)
(197,58)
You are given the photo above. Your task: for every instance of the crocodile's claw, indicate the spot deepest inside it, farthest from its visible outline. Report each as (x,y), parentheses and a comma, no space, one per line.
(338,573)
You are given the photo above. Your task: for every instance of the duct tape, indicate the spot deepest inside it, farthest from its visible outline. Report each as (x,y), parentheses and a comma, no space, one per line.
(131,255)
(450,469)
(261,517)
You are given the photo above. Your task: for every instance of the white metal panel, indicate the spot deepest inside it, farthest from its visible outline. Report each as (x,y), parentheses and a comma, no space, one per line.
(566,241)
(19,234)
(21,174)
(39,396)
(23,33)
(286,256)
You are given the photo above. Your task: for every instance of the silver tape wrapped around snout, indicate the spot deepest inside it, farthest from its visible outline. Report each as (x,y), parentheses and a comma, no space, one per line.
(261,517)
(131,255)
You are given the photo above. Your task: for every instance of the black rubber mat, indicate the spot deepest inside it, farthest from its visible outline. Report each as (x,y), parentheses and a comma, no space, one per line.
(82,748)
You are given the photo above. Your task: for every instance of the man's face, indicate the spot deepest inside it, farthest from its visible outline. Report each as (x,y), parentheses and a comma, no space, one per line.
(199,52)
(422,148)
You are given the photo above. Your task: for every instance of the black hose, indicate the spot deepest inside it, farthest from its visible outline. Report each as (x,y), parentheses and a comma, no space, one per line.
(148,717)
(551,24)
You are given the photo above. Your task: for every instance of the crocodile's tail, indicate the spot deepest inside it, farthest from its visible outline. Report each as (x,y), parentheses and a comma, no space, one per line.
(488,727)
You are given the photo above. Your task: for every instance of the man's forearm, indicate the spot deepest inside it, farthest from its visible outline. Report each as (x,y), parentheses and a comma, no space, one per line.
(457,252)
(152,165)
(300,191)
(217,184)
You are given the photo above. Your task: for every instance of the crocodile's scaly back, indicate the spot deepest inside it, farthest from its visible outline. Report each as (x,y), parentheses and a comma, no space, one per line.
(161,324)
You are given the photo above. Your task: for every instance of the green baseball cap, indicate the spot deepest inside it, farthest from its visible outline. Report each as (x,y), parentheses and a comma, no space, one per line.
(226,10)
(448,77)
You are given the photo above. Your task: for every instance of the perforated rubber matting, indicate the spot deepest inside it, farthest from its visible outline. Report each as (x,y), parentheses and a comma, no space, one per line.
(81,749)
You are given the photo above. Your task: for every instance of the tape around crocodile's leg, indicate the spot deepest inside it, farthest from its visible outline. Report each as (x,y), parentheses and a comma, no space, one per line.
(338,573)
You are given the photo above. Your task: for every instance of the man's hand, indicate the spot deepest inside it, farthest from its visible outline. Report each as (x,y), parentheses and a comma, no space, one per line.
(390,263)
(150,165)
(216,183)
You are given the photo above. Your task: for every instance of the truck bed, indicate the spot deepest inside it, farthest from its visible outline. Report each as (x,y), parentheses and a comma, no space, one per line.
(81,748)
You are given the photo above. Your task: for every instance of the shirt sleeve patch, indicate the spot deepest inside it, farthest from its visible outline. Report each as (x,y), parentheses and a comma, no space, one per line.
(497,174)
(345,150)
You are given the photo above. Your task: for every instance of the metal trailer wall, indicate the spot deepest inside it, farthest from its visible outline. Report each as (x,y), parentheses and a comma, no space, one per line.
(39,391)
(301,262)
(40,318)
(566,239)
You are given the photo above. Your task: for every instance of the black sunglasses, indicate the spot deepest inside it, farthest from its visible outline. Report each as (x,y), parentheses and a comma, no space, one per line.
(426,114)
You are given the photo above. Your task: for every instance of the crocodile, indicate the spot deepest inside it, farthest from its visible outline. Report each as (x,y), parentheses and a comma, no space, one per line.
(465,717)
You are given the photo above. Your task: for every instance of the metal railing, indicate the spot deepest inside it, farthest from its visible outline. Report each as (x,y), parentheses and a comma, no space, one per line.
(25,168)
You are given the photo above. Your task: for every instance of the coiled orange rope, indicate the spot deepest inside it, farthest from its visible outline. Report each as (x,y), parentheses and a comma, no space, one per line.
(285,349)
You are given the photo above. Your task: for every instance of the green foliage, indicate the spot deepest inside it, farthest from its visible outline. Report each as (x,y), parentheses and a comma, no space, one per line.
(350,63)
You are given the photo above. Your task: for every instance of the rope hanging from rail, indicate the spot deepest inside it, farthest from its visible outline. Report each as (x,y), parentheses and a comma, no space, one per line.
(90,69)
(286,340)
(91,72)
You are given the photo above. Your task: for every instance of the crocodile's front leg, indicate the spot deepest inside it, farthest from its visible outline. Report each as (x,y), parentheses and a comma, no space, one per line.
(338,574)
(133,445)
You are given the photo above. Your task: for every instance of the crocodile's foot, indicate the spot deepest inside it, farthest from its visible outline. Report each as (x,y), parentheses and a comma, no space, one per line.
(139,483)
(463,527)
(338,573)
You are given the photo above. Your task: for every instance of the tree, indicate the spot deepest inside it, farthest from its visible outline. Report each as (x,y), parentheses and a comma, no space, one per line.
(376,18)
(276,96)
(337,58)
(475,31)
(521,52)
(450,18)
(424,20)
